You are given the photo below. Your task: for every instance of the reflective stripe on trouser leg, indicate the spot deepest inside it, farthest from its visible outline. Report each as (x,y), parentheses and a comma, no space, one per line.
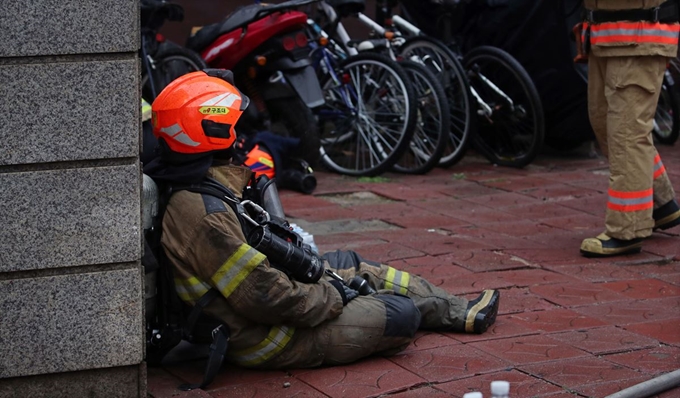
(438,309)
(663,190)
(632,86)
(380,324)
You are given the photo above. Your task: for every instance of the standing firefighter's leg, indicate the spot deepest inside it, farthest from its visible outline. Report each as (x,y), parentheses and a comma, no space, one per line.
(631,89)
(438,309)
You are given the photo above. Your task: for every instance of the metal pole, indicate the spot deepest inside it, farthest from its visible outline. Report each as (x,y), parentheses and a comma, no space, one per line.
(650,387)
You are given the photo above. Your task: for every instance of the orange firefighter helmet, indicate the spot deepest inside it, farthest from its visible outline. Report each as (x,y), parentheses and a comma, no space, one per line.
(197,112)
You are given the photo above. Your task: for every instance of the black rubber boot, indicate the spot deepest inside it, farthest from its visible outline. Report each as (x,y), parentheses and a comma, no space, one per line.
(481,312)
(667,216)
(604,246)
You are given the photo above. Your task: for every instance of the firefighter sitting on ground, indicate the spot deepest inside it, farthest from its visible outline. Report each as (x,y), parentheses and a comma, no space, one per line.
(275,320)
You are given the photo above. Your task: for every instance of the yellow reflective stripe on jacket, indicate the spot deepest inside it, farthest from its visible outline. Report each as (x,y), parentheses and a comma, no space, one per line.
(397,280)
(146,111)
(191,289)
(236,269)
(273,344)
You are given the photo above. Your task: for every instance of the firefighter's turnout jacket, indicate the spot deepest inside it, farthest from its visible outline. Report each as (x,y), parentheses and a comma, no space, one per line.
(626,66)
(626,38)
(277,322)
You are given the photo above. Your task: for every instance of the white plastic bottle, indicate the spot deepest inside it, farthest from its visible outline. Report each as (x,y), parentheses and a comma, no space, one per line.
(500,389)
(306,237)
(473,395)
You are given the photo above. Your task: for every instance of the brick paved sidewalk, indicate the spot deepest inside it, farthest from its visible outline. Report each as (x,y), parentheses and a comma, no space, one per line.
(568,326)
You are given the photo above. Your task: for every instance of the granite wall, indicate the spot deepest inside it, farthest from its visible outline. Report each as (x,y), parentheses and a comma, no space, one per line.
(70,275)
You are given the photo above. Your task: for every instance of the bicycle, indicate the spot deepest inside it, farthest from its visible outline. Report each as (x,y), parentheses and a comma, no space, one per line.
(369,114)
(443,62)
(510,120)
(433,119)
(162,60)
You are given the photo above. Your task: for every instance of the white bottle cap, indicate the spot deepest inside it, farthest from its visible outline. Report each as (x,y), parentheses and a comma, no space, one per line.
(473,395)
(500,388)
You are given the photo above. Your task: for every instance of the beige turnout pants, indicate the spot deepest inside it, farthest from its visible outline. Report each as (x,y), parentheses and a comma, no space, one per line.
(382,324)
(622,96)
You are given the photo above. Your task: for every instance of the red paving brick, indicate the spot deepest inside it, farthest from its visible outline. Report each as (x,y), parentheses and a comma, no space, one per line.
(424,340)
(528,349)
(607,388)
(522,300)
(572,295)
(503,200)
(448,363)
(486,260)
(521,385)
(557,192)
(633,311)
(285,387)
(554,320)
(430,267)
(666,331)
(643,288)
(503,328)
(541,211)
(574,373)
(594,272)
(661,359)
(604,340)
(569,326)
(369,377)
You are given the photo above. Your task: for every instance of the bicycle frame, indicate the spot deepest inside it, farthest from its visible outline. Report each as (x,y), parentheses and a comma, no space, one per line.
(327,62)
(402,24)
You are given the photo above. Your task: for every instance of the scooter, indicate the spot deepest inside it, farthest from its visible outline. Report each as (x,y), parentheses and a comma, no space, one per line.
(266,47)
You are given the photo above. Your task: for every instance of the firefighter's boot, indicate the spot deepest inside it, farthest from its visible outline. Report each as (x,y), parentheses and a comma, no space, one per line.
(481,312)
(667,216)
(604,246)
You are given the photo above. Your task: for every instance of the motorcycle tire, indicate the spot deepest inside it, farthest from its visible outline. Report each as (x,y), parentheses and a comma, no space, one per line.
(298,121)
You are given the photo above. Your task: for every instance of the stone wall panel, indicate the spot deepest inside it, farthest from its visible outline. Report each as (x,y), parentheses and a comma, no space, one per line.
(58,27)
(70,322)
(69,111)
(69,217)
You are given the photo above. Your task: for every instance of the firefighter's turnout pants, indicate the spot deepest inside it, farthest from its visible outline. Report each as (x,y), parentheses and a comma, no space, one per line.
(383,323)
(630,43)
(623,92)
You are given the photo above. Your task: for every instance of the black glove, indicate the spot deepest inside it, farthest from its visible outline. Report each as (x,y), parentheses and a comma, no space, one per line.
(361,286)
(347,293)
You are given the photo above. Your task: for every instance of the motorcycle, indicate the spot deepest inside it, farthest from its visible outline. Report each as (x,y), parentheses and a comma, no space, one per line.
(266,47)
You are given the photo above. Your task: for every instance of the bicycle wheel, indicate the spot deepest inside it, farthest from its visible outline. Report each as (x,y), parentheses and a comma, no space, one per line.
(511,122)
(667,117)
(170,62)
(369,116)
(432,122)
(444,63)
